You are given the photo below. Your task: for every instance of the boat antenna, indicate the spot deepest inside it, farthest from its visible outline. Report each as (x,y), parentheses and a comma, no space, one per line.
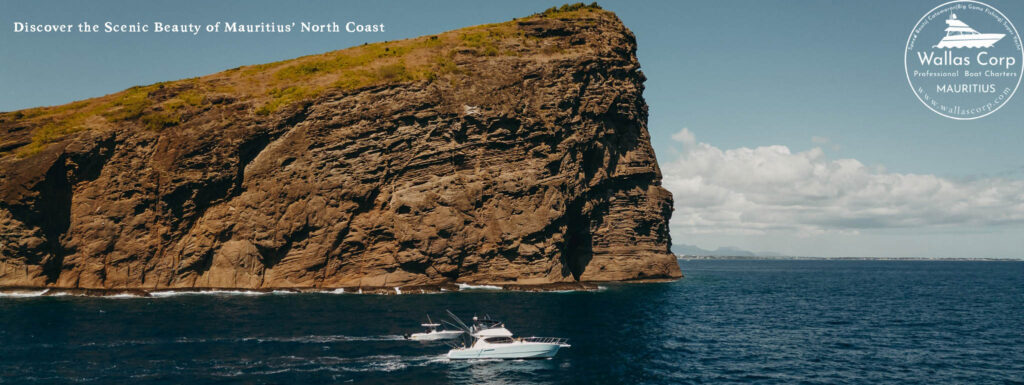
(458,322)
(467,337)
(451,324)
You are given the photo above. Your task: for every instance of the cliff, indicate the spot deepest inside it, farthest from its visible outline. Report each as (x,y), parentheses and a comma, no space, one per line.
(510,153)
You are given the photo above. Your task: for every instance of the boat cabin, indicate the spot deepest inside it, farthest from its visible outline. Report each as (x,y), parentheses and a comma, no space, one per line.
(498,340)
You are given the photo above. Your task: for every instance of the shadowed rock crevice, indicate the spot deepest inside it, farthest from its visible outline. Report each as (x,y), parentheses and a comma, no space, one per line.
(45,203)
(55,216)
(578,242)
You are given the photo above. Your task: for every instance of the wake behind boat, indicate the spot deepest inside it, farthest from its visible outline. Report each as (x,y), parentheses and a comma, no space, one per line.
(960,35)
(491,340)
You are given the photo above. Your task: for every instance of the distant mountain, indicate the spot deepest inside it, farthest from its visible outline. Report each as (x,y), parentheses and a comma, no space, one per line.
(727,251)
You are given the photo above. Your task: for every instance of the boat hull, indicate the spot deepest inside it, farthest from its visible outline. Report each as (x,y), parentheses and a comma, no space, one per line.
(436,336)
(516,351)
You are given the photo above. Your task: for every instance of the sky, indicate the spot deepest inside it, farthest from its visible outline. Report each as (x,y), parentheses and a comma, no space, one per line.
(781,126)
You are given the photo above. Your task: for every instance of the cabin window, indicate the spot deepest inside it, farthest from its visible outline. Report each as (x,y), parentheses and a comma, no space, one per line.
(498,340)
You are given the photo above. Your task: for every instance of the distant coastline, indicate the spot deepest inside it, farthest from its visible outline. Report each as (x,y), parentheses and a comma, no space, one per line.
(692,252)
(786,258)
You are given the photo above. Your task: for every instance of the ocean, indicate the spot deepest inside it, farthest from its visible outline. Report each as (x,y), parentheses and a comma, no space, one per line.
(765,322)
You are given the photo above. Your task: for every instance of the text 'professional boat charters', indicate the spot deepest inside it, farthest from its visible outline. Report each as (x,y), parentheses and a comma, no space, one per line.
(959,35)
(491,340)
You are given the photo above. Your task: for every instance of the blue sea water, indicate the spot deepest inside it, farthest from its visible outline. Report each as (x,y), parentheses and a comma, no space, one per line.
(811,322)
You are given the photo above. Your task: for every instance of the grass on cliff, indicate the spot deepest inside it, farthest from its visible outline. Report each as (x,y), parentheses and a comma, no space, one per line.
(136,104)
(270,87)
(569,8)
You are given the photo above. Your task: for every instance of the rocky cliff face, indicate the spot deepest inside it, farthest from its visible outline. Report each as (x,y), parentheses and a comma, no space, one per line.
(512,153)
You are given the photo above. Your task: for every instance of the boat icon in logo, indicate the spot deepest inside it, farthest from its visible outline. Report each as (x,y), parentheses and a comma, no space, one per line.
(959,35)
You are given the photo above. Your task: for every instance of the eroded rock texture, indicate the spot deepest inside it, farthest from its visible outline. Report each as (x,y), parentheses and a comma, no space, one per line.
(531,167)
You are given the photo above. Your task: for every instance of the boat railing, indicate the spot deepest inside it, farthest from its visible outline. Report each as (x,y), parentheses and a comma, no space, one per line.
(546,340)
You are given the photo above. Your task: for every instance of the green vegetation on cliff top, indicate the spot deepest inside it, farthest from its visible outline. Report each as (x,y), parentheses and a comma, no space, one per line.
(271,87)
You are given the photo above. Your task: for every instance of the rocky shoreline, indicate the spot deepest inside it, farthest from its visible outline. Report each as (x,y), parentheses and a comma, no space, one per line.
(420,289)
(375,290)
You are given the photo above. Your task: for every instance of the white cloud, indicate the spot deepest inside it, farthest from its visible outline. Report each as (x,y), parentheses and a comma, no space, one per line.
(766,189)
(685,137)
(821,140)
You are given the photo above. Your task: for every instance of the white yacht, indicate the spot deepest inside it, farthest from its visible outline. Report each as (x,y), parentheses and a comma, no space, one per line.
(433,333)
(959,35)
(491,340)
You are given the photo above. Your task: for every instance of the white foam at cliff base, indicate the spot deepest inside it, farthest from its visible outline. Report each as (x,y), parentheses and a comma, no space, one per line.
(123,296)
(213,292)
(48,293)
(163,294)
(235,292)
(23,294)
(466,286)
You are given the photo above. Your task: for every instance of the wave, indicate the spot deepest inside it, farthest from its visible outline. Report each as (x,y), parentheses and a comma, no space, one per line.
(61,293)
(466,286)
(169,293)
(123,296)
(599,288)
(23,294)
(138,294)
(340,368)
(293,364)
(325,339)
(309,339)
